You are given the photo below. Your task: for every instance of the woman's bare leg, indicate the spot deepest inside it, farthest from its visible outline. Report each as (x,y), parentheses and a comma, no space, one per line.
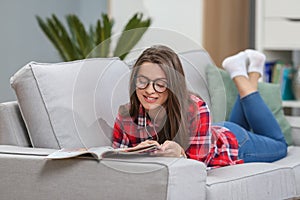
(244,85)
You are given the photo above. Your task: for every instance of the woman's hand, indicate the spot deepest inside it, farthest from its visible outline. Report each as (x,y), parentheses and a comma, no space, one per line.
(170,149)
(148,142)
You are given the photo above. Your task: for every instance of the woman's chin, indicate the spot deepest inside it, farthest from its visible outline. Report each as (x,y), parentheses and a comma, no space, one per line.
(148,106)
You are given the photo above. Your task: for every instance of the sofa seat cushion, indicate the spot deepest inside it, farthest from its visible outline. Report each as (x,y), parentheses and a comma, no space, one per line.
(71,104)
(292,160)
(251,181)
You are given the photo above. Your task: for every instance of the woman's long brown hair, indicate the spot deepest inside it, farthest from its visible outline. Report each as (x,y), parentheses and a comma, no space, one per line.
(176,125)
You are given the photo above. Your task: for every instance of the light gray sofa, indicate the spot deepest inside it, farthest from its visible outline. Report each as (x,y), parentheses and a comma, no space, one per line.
(74,104)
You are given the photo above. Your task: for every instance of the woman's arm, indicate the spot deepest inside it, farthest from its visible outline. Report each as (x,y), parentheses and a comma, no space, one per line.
(200,131)
(119,138)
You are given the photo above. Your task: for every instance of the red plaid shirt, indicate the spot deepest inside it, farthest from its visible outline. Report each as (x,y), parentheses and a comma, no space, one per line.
(214,145)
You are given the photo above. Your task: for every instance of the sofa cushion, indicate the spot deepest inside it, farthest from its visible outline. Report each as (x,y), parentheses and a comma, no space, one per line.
(61,103)
(251,181)
(217,77)
(294,121)
(292,160)
(12,127)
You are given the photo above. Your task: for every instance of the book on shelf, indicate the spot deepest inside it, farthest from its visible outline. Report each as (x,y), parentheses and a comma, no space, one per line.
(101,152)
(281,73)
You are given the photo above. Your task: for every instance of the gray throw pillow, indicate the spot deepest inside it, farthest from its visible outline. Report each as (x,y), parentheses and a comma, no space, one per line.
(62,103)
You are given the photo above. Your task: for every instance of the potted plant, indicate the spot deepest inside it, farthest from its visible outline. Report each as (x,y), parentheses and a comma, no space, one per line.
(78,43)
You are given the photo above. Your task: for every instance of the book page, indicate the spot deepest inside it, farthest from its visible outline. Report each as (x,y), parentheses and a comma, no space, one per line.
(99,152)
(70,153)
(139,149)
(67,153)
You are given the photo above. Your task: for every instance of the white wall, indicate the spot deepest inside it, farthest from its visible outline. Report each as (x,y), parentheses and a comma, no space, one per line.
(21,39)
(181,20)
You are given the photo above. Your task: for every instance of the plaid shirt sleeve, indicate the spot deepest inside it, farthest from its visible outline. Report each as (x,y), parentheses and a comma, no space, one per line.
(119,140)
(199,127)
(215,146)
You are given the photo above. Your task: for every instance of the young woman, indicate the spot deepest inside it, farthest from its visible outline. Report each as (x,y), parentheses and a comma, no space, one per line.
(162,111)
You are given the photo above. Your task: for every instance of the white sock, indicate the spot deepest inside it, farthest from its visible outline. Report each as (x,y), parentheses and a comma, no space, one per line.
(256,61)
(236,65)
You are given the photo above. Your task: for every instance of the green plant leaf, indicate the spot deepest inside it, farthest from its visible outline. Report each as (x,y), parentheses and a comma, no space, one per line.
(78,43)
(64,40)
(106,35)
(81,37)
(132,33)
(49,33)
(100,35)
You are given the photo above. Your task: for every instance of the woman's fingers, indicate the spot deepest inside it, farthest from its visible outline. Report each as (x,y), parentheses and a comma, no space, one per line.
(169,149)
(148,142)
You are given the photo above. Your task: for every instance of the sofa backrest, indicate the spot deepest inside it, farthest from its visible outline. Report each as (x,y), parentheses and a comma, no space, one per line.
(74,104)
(195,64)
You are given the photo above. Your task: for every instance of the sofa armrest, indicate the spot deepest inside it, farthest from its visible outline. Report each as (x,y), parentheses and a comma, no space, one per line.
(17,150)
(12,128)
(295,124)
(33,177)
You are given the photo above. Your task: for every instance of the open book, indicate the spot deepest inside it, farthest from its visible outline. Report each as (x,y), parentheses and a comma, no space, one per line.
(101,152)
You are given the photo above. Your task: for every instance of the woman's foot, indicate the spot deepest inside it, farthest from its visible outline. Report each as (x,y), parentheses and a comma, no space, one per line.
(236,65)
(256,61)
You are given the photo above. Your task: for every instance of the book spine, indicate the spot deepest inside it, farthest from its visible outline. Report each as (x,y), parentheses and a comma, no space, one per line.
(268,71)
(287,84)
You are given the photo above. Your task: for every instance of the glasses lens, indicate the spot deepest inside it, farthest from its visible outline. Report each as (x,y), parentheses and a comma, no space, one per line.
(160,86)
(141,82)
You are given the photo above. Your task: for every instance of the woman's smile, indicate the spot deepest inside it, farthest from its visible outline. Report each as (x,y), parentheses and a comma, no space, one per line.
(150,99)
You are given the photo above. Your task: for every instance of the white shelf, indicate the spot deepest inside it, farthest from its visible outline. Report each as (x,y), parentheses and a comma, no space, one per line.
(277,29)
(294,121)
(292,109)
(291,104)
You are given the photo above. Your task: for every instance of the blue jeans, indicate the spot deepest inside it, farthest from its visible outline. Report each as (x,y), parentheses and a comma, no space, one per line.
(258,133)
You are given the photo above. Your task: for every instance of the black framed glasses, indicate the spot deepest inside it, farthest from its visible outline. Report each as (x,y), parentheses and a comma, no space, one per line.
(159,85)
